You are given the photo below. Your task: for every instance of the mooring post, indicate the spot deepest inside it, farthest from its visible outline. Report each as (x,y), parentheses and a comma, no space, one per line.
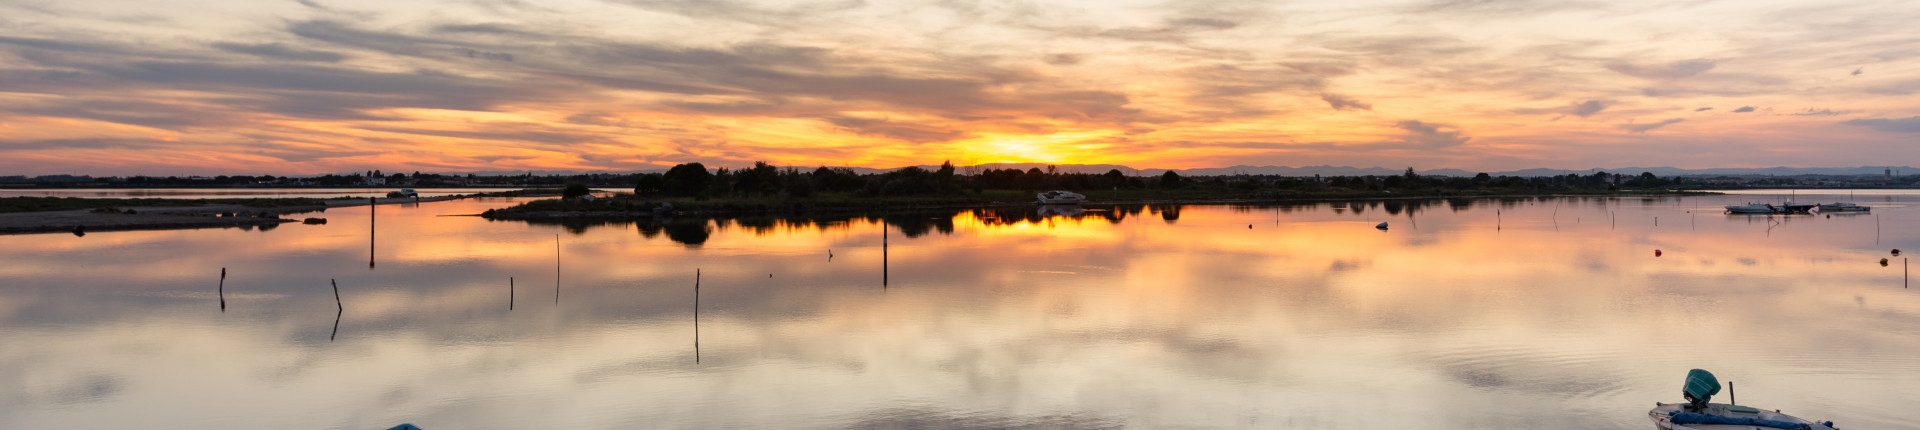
(509,293)
(223,289)
(556,269)
(336,296)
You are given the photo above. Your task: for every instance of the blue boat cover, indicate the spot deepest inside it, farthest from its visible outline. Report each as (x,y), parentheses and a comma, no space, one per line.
(1684,418)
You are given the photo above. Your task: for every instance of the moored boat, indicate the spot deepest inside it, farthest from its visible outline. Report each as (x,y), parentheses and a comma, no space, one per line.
(1752,208)
(1699,414)
(1061,198)
(1844,207)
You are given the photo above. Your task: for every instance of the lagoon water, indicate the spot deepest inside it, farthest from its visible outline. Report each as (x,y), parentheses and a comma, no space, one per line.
(1517,313)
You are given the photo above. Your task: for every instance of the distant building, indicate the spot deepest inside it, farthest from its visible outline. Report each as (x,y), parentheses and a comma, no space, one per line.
(376,181)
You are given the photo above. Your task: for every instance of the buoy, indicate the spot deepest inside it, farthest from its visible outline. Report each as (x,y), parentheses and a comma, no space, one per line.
(1382,226)
(1656,253)
(1896,252)
(1883,262)
(1249,226)
(79,230)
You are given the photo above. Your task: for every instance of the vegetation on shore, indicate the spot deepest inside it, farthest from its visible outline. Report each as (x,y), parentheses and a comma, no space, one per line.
(766,189)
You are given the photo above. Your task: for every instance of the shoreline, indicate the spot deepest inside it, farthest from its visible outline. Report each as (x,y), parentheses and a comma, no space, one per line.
(803,207)
(134,218)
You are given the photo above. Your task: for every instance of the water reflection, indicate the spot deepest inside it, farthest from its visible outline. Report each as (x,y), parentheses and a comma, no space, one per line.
(1258,315)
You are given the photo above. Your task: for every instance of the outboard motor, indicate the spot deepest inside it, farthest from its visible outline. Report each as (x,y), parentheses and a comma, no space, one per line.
(1701,386)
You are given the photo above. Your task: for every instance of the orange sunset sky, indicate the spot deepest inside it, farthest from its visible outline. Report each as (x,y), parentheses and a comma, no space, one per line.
(318,86)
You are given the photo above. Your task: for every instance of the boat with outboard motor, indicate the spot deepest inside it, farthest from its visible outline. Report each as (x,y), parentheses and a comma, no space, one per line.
(1698,414)
(1057,197)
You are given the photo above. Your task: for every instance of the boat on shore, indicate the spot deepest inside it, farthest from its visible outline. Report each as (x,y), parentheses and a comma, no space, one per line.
(1057,197)
(1699,414)
(1844,207)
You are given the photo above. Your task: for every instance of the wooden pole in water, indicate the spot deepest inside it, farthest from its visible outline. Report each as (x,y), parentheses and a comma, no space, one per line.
(509,293)
(336,296)
(223,289)
(696,316)
(556,269)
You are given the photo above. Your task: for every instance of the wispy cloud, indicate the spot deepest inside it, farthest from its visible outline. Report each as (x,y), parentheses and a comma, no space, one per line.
(1643,128)
(1431,134)
(1340,102)
(1898,125)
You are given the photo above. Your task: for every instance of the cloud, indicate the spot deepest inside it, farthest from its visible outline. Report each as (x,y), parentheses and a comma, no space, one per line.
(1817,112)
(1899,125)
(1901,88)
(280,52)
(1588,108)
(1743,109)
(1704,109)
(1674,70)
(1063,59)
(1431,134)
(1340,102)
(1643,128)
(915,133)
(1856,72)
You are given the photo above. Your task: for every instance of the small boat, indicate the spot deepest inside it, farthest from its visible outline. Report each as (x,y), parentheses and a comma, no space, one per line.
(1752,208)
(1844,207)
(1792,208)
(1698,414)
(1061,198)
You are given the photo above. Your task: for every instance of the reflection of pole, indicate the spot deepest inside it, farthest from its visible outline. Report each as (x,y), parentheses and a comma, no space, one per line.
(336,295)
(883,245)
(372,203)
(556,269)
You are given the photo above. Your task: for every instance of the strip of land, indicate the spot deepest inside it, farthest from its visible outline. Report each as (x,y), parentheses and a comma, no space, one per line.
(26,215)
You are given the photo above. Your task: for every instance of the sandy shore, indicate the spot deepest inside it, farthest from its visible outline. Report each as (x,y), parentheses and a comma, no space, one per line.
(178,217)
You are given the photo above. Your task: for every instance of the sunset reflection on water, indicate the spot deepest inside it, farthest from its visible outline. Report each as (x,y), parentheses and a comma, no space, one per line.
(1522,313)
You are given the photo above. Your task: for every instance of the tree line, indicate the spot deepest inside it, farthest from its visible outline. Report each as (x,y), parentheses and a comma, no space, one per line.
(766,180)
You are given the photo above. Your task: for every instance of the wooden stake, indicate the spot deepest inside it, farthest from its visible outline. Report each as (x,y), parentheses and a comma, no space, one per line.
(509,293)
(223,289)
(336,296)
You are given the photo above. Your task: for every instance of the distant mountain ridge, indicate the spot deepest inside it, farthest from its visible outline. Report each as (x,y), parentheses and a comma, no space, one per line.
(1328,170)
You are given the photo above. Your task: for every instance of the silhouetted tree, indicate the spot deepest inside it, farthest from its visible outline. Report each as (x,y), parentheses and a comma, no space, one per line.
(687,179)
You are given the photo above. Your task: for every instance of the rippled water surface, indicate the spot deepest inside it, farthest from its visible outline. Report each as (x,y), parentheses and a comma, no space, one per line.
(1523,313)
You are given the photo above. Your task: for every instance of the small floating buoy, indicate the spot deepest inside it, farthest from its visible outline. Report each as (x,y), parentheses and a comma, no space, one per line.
(1382,226)
(1249,226)
(1883,262)
(79,230)
(1656,253)
(1896,252)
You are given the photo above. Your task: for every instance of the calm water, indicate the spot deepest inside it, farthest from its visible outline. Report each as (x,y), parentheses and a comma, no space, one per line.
(1465,315)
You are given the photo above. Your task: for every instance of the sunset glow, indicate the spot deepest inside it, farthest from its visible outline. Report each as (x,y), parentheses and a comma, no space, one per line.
(321,86)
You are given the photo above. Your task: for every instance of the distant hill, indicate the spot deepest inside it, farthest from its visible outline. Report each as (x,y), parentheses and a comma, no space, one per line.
(1326,170)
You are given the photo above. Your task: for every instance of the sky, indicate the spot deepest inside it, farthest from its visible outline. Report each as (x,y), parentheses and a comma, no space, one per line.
(319,86)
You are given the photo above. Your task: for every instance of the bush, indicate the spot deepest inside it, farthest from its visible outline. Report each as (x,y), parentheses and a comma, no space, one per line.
(574,191)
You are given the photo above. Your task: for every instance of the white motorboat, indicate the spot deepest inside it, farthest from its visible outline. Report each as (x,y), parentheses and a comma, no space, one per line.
(1057,197)
(1698,414)
(1844,207)
(1752,208)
